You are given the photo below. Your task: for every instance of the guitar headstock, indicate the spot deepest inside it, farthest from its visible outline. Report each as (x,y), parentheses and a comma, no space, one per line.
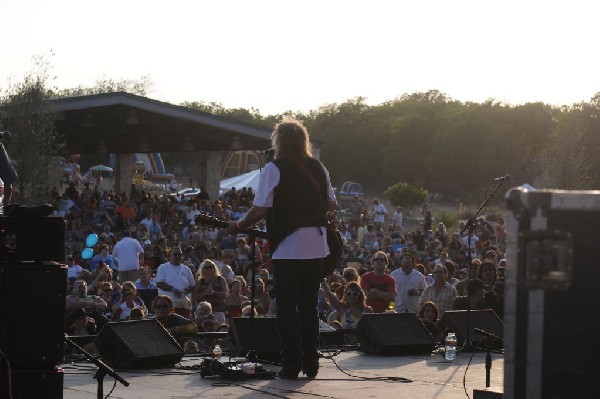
(206,220)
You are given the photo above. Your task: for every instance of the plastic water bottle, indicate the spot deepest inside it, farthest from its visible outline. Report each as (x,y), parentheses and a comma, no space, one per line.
(217,351)
(450,344)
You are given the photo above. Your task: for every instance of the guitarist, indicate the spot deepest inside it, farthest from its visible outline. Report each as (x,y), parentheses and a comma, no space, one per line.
(295,209)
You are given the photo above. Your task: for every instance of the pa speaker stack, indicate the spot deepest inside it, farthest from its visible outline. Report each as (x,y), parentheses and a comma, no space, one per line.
(33,285)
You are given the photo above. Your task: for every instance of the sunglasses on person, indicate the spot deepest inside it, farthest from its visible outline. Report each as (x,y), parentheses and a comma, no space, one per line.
(352,293)
(162,307)
(379,259)
(177,254)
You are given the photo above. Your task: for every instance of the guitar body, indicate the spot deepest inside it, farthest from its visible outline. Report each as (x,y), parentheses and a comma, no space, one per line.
(336,249)
(334,240)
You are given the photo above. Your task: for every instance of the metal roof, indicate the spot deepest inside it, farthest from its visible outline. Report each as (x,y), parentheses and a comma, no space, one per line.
(126,123)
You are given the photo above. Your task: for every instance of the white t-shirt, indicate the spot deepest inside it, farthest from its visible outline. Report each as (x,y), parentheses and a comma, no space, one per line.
(126,310)
(398,219)
(180,277)
(473,241)
(415,280)
(127,251)
(379,213)
(74,271)
(304,242)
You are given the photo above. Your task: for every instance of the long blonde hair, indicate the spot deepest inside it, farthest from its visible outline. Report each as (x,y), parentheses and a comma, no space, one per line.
(290,139)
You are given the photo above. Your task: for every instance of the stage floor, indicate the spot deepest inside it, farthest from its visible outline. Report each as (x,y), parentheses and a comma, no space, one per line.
(408,376)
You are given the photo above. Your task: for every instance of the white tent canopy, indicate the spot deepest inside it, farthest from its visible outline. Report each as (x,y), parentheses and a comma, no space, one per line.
(249,179)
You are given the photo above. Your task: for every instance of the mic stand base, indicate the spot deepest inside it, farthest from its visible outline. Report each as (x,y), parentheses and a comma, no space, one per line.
(99,376)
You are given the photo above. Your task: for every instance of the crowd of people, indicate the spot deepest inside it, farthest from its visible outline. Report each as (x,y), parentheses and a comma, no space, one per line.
(150,244)
(202,276)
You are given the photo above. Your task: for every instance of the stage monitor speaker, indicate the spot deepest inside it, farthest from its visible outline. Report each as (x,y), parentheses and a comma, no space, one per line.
(32,383)
(32,238)
(393,334)
(487,320)
(138,344)
(262,331)
(32,313)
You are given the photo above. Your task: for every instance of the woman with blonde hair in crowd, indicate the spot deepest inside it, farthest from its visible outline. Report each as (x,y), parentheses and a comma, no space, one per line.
(211,287)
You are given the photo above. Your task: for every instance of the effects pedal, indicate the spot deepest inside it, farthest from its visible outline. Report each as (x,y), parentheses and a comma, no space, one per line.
(237,368)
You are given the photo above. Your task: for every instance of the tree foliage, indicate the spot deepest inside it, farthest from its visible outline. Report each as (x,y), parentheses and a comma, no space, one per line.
(34,144)
(139,87)
(423,139)
(406,195)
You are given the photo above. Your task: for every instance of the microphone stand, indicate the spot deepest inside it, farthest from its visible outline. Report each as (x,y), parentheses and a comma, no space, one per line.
(251,355)
(488,363)
(103,369)
(470,225)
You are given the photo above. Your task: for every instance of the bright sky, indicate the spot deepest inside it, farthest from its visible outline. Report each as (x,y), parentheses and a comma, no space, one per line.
(279,55)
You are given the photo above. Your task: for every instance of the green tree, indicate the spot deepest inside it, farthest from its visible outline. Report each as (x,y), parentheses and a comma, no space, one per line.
(35,144)
(109,85)
(406,195)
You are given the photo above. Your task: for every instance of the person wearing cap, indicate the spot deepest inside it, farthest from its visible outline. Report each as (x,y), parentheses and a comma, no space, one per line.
(93,305)
(174,323)
(79,323)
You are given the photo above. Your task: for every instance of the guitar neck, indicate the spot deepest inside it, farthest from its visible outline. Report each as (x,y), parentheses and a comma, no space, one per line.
(211,221)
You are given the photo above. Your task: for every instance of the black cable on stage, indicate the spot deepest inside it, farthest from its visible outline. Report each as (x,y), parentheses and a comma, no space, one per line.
(392,379)
(111,390)
(465,374)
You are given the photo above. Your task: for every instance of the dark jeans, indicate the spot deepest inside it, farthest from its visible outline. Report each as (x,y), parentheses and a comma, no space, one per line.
(297,285)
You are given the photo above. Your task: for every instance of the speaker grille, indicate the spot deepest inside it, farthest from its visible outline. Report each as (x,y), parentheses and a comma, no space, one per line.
(487,320)
(393,334)
(138,344)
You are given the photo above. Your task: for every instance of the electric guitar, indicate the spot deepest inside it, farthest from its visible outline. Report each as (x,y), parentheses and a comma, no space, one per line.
(334,240)
(207,220)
